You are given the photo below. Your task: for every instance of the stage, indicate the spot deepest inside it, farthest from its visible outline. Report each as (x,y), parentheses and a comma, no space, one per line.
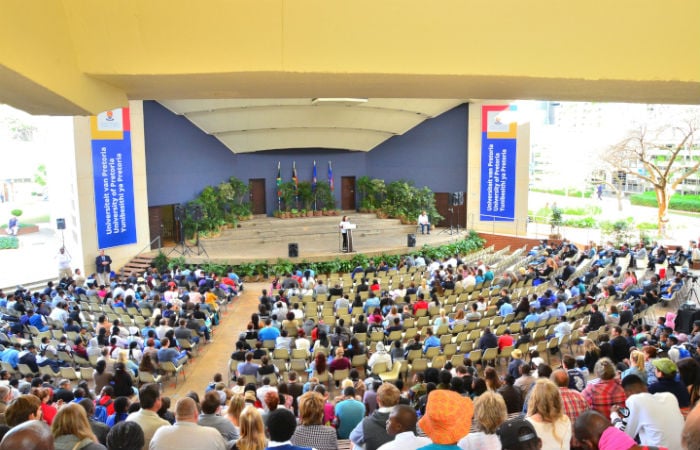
(317,238)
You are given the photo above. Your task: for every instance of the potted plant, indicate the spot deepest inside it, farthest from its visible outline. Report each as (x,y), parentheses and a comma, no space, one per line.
(555,221)
(289,192)
(323,196)
(306,196)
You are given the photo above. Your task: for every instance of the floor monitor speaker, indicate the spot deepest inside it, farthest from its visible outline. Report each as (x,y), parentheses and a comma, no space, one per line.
(293,249)
(411,239)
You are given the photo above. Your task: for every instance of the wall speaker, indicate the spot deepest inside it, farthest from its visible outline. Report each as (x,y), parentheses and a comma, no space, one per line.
(411,238)
(293,250)
(60,224)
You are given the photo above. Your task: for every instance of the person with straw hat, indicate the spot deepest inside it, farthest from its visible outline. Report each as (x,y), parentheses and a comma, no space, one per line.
(447,419)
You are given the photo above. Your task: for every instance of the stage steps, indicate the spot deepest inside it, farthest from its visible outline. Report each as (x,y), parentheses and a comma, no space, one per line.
(138,264)
(271,229)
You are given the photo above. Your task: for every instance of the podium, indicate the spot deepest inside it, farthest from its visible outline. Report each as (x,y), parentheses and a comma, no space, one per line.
(348,232)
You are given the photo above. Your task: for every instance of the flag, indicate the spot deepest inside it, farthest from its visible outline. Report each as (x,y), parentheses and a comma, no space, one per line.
(330,175)
(294,176)
(314,178)
(279,181)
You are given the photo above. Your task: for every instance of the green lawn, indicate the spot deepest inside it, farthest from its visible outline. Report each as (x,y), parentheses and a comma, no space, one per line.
(678,202)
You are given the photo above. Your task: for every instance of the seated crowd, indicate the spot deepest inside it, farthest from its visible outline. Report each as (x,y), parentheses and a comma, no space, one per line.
(326,367)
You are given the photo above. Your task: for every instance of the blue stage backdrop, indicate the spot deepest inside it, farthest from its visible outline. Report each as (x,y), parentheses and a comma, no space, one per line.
(499,138)
(113,178)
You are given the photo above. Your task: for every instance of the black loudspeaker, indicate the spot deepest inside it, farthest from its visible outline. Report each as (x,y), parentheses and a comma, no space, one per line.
(60,224)
(293,250)
(178,213)
(457,199)
(411,238)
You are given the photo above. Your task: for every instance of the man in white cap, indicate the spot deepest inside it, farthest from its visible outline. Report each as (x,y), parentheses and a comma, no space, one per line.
(380,356)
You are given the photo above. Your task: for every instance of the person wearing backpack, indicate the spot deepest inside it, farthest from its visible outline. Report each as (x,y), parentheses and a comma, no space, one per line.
(104,404)
(121,405)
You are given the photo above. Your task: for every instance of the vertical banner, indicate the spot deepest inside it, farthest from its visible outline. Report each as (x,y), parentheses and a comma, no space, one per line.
(499,138)
(113,178)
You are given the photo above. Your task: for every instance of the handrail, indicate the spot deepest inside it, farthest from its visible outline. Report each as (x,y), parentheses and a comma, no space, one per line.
(149,245)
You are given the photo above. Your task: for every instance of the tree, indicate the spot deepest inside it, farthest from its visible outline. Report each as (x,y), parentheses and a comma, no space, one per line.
(40,175)
(662,157)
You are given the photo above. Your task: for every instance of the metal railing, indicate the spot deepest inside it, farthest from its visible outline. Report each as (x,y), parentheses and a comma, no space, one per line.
(536,227)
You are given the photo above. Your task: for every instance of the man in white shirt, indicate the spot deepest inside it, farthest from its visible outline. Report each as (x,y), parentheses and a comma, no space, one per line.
(162,328)
(424,222)
(563,328)
(656,418)
(63,260)
(147,417)
(186,434)
(402,425)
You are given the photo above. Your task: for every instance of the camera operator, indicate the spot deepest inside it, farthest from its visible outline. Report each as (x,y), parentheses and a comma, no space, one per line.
(655,418)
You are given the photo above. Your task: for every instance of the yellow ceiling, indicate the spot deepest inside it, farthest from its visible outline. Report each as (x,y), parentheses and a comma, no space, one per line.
(82,56)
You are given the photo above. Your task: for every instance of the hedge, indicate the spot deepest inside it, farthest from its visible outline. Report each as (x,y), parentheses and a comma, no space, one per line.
(469,244)
(8,242)
(678,202)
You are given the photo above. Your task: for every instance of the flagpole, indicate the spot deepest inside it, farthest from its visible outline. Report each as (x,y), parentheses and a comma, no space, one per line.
(314,187)
(278,182)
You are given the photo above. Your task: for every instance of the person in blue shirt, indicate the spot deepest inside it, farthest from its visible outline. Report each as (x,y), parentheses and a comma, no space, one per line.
(561,308)
(268,332)
(36,320)
(505,309)
(371,303)
(431,340)
(532,317)
(479,276)
(170,354)
(546,299)
(121,405)
(543,315)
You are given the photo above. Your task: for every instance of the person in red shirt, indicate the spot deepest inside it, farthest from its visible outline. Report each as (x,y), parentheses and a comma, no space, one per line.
(420,304)
(375,286)
(340,362)
(505,340)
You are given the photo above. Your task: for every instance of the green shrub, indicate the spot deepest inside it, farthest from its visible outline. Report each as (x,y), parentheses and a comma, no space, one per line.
(584,222)
(647,226)
(574,211)
(16,212)
(619,231)
(7,242)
